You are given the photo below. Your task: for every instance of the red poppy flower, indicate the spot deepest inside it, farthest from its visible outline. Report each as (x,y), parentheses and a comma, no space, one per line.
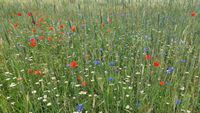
(193,14)
(49,39)
(61,26)
(41,38)
(73,64)
(32,42)
(28,14)
(83,84)
(148,57)
(51,28)
(40,19)
(38,72)
(162,83)
(73,28)
(156,64)
(33,30)
(78,78)
(19,14)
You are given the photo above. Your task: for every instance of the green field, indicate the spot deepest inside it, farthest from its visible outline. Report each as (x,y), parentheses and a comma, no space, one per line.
(99,56)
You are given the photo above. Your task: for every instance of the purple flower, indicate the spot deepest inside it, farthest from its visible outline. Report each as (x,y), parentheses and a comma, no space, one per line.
(170,70)
(183,60)
(178,102)
(96,62)
(146,49)
(79,107)
(110,79)
(112,63)
(101,50)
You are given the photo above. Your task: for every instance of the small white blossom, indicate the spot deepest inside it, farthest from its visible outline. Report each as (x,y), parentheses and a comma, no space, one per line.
(186,72)
(8,73)
(44,100)
(137,73)
(12,103)
(34,91)
(130,87)
(182,88)
(188,111)
(12,85)
(40,80)
(39,98)
(37,83)
(142,91)
(77,85)
(49,104)
(127,107)
(53,78)
(83,92)
(45,96)
(7,98)
(106,72)
(7,79)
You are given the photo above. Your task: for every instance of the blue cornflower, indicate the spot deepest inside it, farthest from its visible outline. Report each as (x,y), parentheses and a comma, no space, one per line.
(146,49)
(97,62)
(101,50)
(170,70)
(183,60)
(112,63)
(110,79)
(178,102)
(79,107)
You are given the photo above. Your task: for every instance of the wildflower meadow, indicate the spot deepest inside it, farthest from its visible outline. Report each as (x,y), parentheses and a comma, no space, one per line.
(99,56)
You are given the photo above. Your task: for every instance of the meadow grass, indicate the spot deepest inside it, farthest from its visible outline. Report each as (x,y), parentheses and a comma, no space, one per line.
(134,56)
